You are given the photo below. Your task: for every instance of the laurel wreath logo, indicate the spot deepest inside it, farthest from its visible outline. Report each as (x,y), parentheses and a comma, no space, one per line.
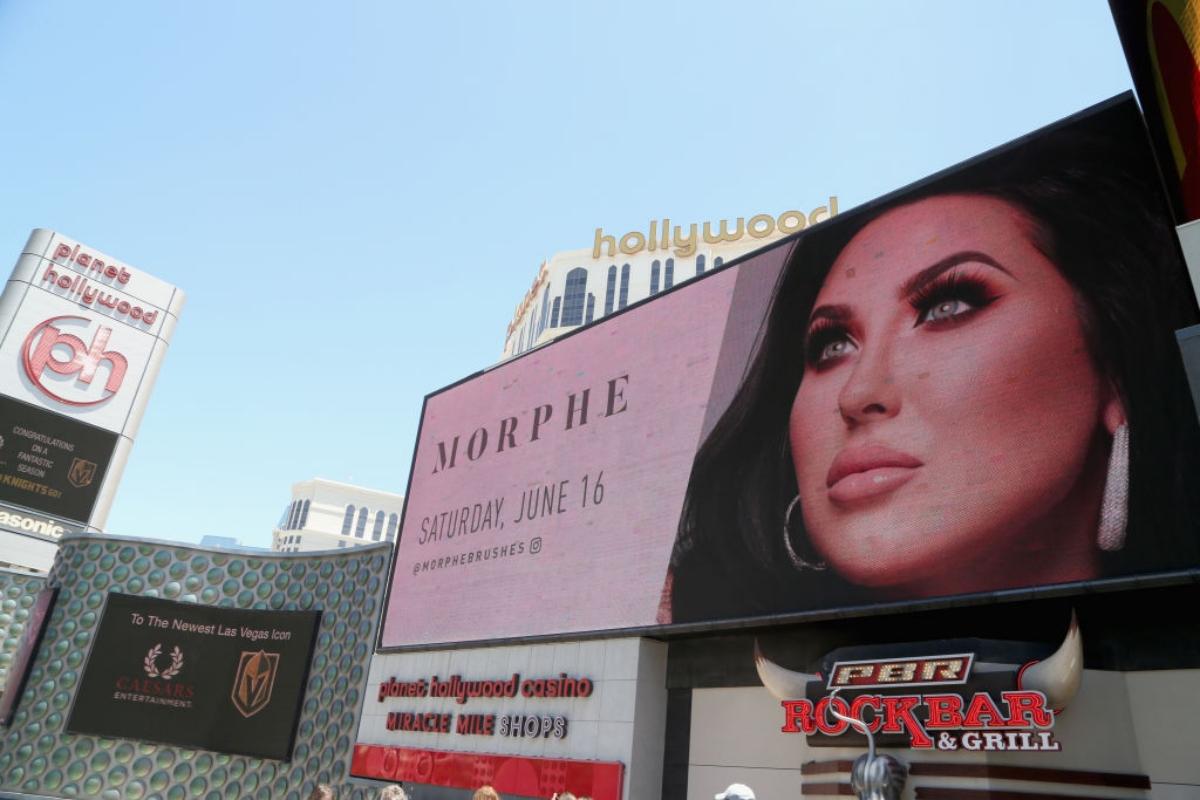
(150,663)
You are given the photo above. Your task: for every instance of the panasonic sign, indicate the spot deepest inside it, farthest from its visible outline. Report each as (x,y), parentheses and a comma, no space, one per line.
(26,524)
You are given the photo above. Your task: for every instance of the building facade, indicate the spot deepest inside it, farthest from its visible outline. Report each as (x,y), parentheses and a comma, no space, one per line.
(325,515)
(575,287)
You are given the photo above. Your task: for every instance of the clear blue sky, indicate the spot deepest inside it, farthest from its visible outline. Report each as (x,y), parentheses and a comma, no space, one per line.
(356,195)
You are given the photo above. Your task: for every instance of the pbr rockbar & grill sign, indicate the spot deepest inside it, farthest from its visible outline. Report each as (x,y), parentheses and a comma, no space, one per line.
(989,696)
(230,680)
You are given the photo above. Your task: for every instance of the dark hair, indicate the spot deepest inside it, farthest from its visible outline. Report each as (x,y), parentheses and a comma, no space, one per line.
(1089,185)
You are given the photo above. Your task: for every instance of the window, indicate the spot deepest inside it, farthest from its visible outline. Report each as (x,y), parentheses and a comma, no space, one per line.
(624,298)
(700,264)
(391,529)
(545,310)
(718,261)
(669,276)
(348,520)
(361,528)
(304,514)
(591,308)
(654,267)
(610,291)
(572,308)
(377,531)
(554,313)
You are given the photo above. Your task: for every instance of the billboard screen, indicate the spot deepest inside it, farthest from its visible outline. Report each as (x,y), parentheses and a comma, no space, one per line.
(968,386)
(49,462)
(224,679)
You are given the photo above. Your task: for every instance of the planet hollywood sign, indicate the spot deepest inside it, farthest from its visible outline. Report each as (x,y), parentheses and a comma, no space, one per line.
(508,725)
(82,337)
(87,334)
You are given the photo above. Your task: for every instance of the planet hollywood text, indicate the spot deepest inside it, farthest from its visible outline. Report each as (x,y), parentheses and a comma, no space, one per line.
(515,725)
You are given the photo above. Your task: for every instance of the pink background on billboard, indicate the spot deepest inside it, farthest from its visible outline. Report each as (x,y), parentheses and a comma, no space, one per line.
(600,567)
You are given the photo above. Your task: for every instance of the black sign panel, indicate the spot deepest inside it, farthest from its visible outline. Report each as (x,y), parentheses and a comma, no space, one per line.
(49,462)
(223,679)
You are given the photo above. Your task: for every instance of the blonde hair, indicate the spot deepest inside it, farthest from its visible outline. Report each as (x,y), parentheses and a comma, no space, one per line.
(393,792)
(322,791)
(485,793)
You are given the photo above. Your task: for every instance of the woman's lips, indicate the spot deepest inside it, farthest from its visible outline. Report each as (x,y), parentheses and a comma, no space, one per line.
(859,473)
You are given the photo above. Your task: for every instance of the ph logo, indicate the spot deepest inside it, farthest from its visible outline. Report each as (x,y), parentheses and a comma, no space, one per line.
(47,347)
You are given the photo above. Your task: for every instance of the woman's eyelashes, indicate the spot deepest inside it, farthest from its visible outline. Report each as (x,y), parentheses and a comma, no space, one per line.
(951,299)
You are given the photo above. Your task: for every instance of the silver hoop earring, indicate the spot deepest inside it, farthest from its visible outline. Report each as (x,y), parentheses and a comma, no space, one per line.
(797,561)
(1114,508)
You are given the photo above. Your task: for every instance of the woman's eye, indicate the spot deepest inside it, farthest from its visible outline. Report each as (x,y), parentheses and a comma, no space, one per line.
(944,310)
(838,348)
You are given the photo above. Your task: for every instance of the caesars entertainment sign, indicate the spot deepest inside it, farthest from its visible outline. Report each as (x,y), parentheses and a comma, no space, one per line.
(82,336)
(967,386)
(223,679)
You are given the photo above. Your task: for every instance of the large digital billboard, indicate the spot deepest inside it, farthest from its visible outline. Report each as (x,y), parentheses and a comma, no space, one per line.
(966,387)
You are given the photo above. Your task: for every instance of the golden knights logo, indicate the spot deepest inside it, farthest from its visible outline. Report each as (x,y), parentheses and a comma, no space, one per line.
(81,473)
(254,681)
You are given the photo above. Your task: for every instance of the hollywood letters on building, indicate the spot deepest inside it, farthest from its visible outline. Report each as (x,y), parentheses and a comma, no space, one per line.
(229,680)
(49,462)
(968,386)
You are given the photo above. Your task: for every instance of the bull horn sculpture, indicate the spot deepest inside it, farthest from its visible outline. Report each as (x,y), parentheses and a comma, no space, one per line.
(1059,675)
(872,777)
(784,684)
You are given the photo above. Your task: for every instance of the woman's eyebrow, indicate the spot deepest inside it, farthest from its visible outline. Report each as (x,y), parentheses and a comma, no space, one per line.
(928,275)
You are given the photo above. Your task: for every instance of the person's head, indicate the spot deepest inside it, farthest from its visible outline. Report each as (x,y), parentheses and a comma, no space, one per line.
(485,793)
(322,791)
(951,404)
(564,796)
(736,791)
(393,792)
(936,391)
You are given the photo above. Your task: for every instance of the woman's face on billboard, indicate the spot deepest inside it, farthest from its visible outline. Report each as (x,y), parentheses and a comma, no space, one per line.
(951,430)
